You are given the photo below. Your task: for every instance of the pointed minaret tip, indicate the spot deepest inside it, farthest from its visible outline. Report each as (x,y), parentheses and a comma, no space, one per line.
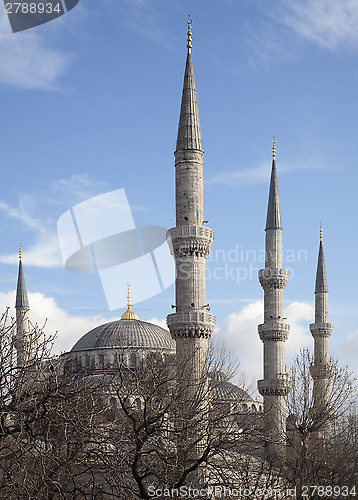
(321,277)
(189,133)
(189,35)
(22,301)
(273,220)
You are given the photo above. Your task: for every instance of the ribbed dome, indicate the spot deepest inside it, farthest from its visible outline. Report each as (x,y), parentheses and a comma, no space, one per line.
(126,333)
(222,390)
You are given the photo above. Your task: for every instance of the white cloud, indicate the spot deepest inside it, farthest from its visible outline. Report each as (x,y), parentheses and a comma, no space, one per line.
(27,60)
(239,332)
(348,351)
(328,23)
(70,328)
(159,322)
(44,253)
(20,214)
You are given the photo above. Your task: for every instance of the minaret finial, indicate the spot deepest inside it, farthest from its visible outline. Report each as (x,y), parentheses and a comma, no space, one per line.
(20,253)
(129,314)
(189,45)
(273,148)
(320,232)
(129,295)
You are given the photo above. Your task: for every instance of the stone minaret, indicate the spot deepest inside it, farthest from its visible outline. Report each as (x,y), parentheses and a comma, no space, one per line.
(274,331)
(191,325)
(22,318)
(321,331)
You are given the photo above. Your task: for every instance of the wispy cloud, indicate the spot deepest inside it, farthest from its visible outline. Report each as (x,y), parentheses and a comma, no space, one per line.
(19,214)
(37,216)
(45,251)
(77,188)
(145,17)
(27,59)
(328,23)
(257,175)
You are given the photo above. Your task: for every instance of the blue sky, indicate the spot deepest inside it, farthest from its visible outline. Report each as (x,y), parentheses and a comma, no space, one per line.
(90,103)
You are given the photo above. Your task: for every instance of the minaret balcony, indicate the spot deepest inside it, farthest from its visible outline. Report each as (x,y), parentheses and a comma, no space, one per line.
(324,371)
(274,330)
(321,329)
(187,241)
(275,278)
(191,324)
(279,386)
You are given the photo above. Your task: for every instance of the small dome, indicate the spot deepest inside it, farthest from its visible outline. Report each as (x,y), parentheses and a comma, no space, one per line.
(222,390)
(126,333)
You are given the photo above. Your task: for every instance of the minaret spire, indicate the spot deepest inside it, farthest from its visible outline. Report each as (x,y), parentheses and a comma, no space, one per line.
(321,278)
(273,219)
(191,325)
(22,317)
(189,134)
(274,331)
(321,331)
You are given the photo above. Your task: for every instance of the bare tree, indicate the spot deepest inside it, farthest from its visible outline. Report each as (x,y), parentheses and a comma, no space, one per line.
(148,444)
(320,432)
(47,422)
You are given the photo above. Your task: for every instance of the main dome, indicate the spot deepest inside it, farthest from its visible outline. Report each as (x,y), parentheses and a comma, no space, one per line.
(126,333)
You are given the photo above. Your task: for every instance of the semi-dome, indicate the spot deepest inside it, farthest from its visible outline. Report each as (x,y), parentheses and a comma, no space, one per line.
(126,333)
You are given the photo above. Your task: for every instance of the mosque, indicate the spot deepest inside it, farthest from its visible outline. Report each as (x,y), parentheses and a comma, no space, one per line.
(191,325)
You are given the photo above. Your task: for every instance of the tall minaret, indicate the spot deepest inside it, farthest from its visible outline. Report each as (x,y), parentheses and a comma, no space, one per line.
(274,332)
(191,325)
(321,331)
(22,317)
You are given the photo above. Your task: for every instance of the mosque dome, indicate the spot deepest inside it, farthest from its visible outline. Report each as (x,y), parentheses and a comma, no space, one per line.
(223,390)
(126,333)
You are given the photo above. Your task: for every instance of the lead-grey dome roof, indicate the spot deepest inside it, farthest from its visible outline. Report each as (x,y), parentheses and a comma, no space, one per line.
(223,390)
(126,333)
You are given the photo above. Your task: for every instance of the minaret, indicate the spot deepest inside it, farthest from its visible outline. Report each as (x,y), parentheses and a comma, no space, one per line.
(22,317)
(321,331)
(191,325)
(274,332)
